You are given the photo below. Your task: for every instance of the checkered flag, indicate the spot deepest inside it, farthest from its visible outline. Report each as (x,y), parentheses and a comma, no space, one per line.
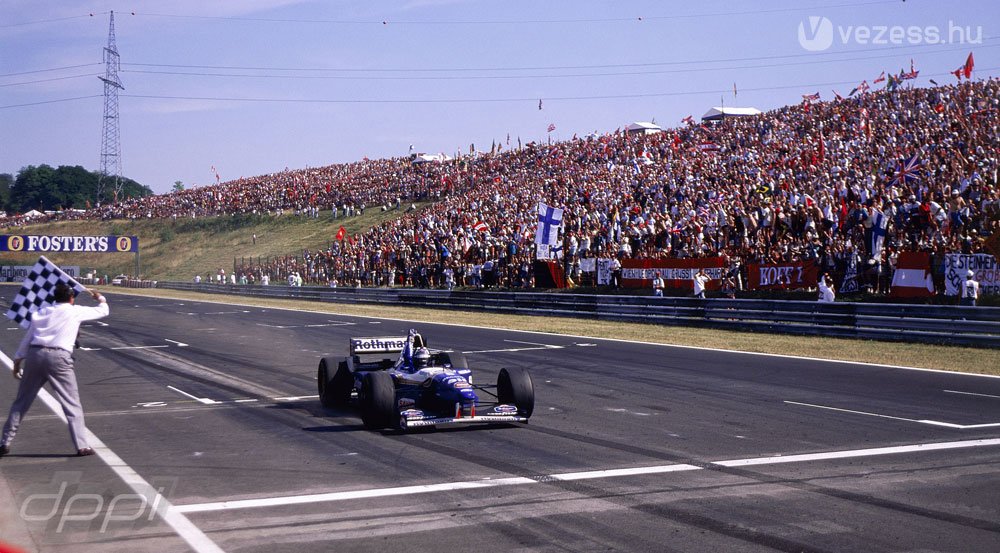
(36,290)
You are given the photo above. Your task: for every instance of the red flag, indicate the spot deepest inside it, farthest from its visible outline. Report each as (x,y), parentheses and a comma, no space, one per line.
(341,233)
(958,73)
(969,64)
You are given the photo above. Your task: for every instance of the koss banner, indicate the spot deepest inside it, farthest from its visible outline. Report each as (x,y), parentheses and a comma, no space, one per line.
(783,276)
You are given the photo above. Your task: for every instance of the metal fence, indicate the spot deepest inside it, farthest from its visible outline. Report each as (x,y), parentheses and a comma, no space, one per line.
(952,325)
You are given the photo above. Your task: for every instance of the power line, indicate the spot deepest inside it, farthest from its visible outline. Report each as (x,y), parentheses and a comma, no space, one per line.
(531,68)
(637,18)
(49,69)
(49,80)
(53,20)
(499,100)
(52,101)
(532,76)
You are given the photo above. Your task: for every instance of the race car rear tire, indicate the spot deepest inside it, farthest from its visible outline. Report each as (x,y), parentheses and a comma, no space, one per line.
(324,381)
(378,401)
(514,387)
(455,358)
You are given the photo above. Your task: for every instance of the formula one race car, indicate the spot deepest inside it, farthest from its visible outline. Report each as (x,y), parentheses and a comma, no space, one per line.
(420,388)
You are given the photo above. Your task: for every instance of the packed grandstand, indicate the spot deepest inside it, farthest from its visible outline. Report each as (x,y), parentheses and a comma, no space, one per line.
(845,186)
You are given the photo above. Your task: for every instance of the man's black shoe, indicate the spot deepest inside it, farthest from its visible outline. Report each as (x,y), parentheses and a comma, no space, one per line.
(4,450)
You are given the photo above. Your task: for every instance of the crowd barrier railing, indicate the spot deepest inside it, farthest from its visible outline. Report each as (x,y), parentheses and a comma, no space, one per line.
(936,324)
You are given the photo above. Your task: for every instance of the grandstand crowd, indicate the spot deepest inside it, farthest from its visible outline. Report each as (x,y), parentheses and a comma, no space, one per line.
(807,181)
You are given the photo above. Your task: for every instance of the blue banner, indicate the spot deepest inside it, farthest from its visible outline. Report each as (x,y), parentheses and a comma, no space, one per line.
(84,244)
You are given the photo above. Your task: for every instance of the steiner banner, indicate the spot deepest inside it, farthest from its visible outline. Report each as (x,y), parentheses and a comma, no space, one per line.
(984,268)
(676,273)
(783,276)
(81,244)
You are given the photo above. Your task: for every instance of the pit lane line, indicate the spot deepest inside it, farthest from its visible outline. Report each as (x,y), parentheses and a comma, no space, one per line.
(184,528)
(571,476)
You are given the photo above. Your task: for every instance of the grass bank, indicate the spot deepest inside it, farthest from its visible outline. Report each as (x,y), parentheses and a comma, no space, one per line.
(181,248)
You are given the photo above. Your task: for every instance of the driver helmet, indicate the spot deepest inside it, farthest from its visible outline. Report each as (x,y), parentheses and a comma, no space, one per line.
(421,358)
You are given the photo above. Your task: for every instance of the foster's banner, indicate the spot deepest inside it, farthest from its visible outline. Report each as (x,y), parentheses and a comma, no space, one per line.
(83,244)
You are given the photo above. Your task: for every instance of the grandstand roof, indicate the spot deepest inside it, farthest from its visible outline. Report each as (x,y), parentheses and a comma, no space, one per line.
(644,127)
(720,112)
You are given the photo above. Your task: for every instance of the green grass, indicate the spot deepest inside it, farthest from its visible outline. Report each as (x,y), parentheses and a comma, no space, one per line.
(179,249)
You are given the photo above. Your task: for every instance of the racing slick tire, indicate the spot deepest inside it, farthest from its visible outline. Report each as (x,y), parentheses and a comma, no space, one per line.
(378,401)
(334,386)
(456,359)
(514,387)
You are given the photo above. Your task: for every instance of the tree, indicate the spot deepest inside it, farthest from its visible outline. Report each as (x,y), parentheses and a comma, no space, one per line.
(6,181)
(178,186)
(46,189)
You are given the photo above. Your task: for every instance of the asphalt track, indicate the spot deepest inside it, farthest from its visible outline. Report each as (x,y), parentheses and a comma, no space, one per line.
(633,447)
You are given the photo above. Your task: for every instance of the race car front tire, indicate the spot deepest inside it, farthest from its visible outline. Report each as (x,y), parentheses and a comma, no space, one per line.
(514,387)
(378,400)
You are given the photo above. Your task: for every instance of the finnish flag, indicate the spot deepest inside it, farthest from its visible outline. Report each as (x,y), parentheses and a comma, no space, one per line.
(549,221)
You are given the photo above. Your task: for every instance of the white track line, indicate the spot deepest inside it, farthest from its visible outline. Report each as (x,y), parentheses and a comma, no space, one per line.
(921,421)
(204,400)
(550,334)
(566,477)
(970,394)
(190,533)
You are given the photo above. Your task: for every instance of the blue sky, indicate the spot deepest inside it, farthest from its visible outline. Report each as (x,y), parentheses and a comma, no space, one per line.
(254,86)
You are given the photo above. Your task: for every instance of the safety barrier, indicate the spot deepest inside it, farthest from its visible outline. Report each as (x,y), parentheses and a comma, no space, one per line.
(952,325)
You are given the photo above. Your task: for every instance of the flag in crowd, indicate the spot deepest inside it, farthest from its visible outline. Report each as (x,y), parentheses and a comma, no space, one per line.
(880,78)
(966,69)
(810,97)
(37,290)
(481,227)
(689,120)
(879,225)
(552,127)
(907,171)
(341,233)
(549,221)
(912,278)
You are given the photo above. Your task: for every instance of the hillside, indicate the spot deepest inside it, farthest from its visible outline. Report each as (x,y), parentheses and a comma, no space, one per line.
(179,249)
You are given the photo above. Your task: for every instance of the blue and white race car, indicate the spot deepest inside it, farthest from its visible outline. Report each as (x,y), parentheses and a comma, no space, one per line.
(420,387)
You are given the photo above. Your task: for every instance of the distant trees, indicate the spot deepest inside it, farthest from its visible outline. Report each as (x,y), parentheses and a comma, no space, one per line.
(178,186)
(44,188)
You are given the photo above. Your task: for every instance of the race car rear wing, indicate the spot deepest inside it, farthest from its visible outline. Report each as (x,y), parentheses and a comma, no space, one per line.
(382,344)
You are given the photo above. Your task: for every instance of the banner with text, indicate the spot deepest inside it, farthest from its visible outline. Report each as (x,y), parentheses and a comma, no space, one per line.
(984,268)
(677,273)
(783,276)
(17,273)
(84,244)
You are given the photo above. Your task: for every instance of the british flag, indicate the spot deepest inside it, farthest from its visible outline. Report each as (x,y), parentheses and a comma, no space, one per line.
(907,171)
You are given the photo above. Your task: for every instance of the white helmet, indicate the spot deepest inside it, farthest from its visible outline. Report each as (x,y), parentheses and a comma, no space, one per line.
(421,358)
(970,274)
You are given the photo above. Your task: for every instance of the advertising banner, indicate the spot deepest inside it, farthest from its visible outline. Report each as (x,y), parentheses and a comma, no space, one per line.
(783,276)
(50,244)
(677,273)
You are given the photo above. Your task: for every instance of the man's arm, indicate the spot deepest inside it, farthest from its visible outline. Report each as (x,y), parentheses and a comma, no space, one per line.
(97,312)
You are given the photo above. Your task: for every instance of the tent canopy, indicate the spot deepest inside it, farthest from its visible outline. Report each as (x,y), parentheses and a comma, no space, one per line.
(644,127)
(717,113)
